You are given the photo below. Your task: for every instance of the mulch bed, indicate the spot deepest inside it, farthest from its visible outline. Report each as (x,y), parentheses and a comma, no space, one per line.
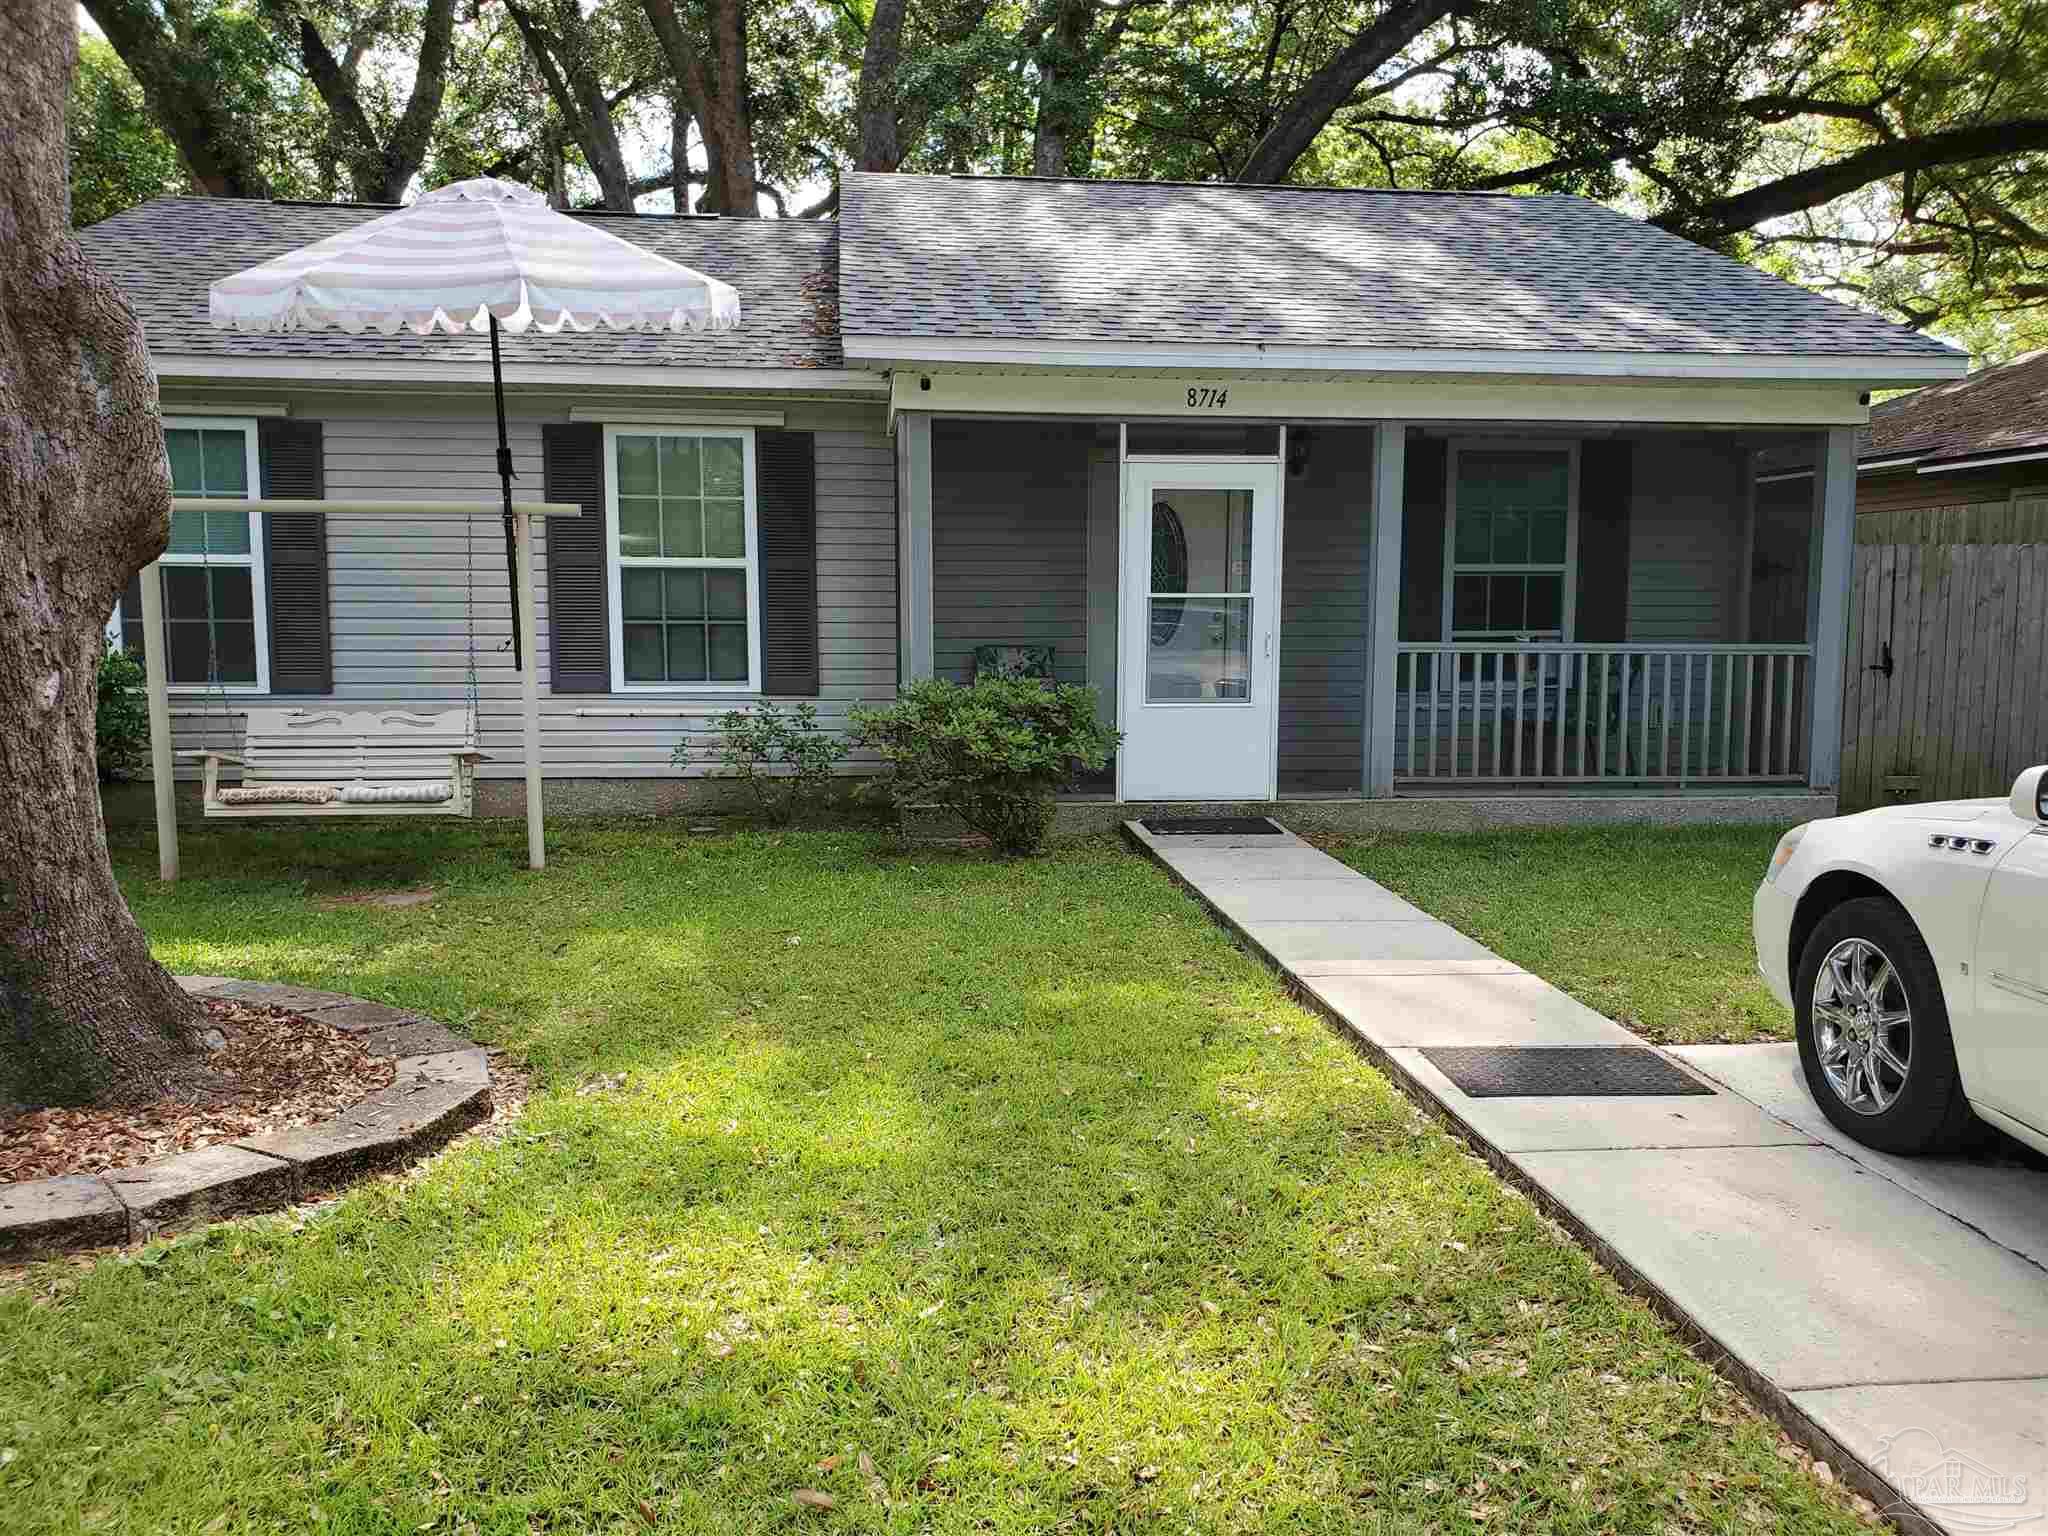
(278,1070)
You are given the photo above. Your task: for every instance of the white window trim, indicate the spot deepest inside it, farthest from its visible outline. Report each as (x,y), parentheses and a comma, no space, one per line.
(612,560)
(254,560)
(1567,446)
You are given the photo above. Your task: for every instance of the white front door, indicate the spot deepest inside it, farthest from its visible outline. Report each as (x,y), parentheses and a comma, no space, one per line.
(1200,622)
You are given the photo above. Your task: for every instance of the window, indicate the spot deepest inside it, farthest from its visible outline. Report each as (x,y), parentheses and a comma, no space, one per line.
(682,543)
(212,573)
(1509,541)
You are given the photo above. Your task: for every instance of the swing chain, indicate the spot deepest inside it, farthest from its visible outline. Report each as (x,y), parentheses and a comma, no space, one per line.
(469,624)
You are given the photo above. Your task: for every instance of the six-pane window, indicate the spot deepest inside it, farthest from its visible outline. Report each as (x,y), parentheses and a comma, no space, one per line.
(682,553)
(1511,543)
(209,570)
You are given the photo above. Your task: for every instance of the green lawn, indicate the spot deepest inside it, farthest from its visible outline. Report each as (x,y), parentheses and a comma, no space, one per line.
(1650,925)
(1015,1184)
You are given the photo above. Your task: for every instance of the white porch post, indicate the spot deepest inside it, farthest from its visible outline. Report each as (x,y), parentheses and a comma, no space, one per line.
(913,546)
(156,680)
(1827,600)
(1383,603)
(529,690)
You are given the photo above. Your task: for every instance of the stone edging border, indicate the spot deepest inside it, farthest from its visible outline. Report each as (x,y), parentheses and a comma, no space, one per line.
(442,1087)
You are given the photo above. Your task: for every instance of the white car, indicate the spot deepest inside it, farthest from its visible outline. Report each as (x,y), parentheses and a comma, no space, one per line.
(1912,945)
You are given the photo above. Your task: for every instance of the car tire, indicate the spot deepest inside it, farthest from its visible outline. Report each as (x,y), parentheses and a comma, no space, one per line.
(1877,962)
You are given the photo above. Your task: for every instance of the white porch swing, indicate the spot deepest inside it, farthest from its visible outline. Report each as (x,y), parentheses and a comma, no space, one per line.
(336,762)
(468,257)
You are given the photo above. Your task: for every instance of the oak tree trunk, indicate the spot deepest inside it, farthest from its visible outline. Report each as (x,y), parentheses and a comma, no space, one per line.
(876,107)
(85,1014)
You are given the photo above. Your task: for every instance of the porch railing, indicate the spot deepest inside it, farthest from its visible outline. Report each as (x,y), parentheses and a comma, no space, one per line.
(1486,712)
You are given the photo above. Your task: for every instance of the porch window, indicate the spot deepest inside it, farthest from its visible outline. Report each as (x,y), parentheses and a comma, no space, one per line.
(684,585)
(212,571)
(1509,543)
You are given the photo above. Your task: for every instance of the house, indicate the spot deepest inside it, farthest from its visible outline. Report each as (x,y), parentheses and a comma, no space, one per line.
(1966,442)
(1345,494)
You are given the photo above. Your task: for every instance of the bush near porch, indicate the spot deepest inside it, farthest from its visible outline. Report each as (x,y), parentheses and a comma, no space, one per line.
(1648,925)
(1015,1183)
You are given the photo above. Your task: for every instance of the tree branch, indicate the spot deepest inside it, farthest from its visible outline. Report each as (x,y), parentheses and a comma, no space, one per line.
(1330,87)
(1824,183)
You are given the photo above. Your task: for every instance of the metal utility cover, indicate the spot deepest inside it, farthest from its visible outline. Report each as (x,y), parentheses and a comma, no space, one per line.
(1212,826)
(1561,1072)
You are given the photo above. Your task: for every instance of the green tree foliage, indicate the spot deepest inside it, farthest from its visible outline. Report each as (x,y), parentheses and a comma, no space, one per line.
(119,157)
(1894,152)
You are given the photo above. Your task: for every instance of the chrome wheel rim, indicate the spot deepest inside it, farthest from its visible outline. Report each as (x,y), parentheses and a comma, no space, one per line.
(1862,1027)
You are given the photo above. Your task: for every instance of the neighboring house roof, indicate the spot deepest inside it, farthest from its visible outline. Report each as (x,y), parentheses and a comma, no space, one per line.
(1991,414)
(1016,265)
(165,252)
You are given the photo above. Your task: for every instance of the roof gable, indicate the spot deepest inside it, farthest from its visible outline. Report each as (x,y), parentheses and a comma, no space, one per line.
(1021,260)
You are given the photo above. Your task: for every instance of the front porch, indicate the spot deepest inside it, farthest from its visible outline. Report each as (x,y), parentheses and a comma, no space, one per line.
(1462,610)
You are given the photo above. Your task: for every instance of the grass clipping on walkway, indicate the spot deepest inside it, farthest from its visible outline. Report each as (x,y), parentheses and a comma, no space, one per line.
(934,1195)
(1648,925)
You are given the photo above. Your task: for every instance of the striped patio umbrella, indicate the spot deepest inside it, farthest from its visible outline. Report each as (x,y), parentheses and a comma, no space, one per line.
(479,255)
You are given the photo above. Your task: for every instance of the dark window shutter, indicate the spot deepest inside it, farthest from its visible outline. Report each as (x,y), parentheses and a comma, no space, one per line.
(786,507)
(1605,475)
(579,618)
(131,616)
(295,557)
(1422,539)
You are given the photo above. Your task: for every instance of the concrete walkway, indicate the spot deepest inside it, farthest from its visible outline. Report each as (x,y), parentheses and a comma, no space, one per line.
(1892,1313)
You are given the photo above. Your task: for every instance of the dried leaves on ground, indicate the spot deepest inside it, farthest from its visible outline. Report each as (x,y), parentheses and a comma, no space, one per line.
(278,1069)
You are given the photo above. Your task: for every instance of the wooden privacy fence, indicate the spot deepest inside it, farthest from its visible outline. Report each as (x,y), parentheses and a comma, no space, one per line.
(1945,695)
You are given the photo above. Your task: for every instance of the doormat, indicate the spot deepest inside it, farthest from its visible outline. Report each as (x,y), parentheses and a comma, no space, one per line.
(1559,1072)
(1212,826)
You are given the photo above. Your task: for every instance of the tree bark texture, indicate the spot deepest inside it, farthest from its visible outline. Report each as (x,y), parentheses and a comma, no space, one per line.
(881,130)
(85,1014)
(716,92)
(1065,114)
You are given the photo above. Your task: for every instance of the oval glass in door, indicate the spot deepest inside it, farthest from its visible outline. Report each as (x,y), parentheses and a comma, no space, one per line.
(1199,619)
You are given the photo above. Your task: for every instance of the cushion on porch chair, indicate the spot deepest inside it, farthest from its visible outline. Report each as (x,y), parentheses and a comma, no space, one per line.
(1013,661)
(276,794)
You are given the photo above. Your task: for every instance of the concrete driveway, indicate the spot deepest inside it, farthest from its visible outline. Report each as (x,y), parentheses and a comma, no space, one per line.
(1892,1313)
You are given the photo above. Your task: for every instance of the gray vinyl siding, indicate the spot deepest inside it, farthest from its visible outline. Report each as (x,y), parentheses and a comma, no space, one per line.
(1327,530)
(1010,542)
(1688,505)
(403,592)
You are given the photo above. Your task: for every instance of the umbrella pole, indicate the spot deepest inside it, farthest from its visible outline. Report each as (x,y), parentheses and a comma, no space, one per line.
(505,480)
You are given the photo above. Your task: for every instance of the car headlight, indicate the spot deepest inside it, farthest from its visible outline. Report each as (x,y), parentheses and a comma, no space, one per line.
(1787,846)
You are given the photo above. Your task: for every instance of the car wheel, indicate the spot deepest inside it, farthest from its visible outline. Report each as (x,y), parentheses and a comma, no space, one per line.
(1873,1031)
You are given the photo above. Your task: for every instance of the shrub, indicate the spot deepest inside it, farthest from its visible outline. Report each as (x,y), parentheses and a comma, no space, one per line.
(993,752)
(121,722)
(783,757)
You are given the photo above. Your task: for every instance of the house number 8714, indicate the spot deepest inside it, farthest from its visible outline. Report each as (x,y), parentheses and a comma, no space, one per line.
(1208,397)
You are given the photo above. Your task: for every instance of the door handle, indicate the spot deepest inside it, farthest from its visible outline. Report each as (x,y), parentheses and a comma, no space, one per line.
(1269,644)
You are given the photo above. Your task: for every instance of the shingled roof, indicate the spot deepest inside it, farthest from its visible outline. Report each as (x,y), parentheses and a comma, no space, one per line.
(1023,260)
(1995,411)
(166,251)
